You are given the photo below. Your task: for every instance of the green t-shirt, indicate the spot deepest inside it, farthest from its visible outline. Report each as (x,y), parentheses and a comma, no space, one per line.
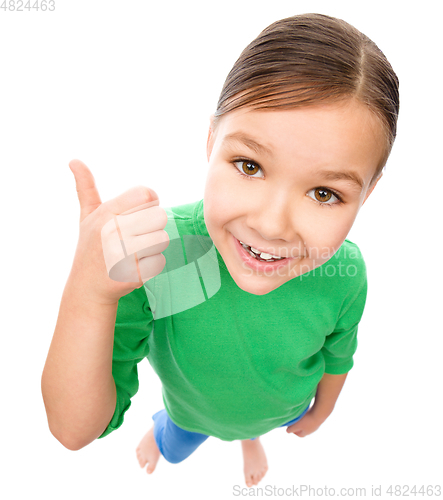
(232,364)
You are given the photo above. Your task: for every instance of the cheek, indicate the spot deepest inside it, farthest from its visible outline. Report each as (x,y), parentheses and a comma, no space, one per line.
(325,235)
(221,190)
(216,204)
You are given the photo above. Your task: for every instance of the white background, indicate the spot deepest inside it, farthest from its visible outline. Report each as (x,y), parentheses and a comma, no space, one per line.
(128,87)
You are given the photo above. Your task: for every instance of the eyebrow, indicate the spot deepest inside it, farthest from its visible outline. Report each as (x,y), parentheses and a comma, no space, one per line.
(249,142)
(333,175)
(252,144)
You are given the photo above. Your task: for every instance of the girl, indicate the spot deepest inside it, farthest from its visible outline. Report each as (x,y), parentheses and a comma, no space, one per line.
(265,303)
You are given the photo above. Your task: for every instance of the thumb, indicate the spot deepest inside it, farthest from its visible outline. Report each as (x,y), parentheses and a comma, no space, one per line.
(86,189)
(293,429)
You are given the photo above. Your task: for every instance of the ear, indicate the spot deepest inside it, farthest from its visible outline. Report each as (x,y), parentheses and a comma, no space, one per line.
(372,188)
(211,138)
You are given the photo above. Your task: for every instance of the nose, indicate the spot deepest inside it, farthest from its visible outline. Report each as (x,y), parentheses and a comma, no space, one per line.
(274,219)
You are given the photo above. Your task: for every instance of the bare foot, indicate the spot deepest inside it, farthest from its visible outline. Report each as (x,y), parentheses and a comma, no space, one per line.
(148,452)
(255,463)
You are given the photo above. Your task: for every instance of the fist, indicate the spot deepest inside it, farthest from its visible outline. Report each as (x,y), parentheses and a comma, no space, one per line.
(133,241)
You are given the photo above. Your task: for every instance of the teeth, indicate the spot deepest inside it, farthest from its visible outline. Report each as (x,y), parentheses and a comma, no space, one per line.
(262,255)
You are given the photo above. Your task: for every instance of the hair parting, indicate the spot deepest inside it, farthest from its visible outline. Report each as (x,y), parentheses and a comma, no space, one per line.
(312,59)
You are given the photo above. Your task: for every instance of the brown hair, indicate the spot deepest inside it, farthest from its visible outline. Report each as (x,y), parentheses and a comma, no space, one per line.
(308,59)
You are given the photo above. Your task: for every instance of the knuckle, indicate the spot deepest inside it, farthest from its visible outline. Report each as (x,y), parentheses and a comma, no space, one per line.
(145,193)
(165,237)
(164,216)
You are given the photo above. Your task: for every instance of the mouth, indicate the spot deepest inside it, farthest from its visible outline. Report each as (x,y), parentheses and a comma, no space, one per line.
(259,254)
(254,257)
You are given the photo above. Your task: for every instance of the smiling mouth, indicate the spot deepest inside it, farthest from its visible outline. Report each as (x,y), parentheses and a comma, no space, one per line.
(259,255)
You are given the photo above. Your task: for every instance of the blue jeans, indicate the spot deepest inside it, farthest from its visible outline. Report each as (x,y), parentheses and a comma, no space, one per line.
(176,444)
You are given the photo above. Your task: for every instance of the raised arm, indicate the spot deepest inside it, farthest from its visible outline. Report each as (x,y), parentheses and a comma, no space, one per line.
(78,387)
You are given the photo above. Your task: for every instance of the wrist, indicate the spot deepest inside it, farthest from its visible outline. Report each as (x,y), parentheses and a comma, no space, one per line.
(80,291)
(320,414)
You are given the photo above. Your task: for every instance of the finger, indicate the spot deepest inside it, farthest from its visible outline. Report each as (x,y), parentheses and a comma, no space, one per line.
(132,200)
(150,267)
(134,227)
(296,432)
(149,244)
(132,270)
(116,250)
(87,192)
(132,243)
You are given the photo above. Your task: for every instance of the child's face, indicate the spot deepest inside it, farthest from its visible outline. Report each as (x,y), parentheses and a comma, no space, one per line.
(265,186)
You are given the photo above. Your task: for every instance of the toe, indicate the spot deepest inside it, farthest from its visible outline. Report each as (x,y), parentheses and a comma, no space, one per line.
(141,460)
(152,465)
(259,476)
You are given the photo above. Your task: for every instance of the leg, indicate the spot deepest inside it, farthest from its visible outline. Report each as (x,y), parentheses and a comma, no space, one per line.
(148,452)
(254,457)
(255,463)
(166,438)
(174,443)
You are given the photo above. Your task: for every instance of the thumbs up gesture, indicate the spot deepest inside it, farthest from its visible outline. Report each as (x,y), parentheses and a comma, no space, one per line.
(120,241)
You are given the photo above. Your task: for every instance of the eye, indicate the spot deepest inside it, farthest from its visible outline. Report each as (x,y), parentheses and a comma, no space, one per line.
(247,167)
(323,195)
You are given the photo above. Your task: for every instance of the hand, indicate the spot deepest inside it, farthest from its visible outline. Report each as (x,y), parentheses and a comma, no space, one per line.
(100,266)
(306,425)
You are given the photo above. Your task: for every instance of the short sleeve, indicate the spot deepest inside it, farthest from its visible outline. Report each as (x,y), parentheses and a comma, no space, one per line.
(133,325)
(341,344)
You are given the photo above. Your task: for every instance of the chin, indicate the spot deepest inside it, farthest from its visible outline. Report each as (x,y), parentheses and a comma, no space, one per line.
(251,286)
